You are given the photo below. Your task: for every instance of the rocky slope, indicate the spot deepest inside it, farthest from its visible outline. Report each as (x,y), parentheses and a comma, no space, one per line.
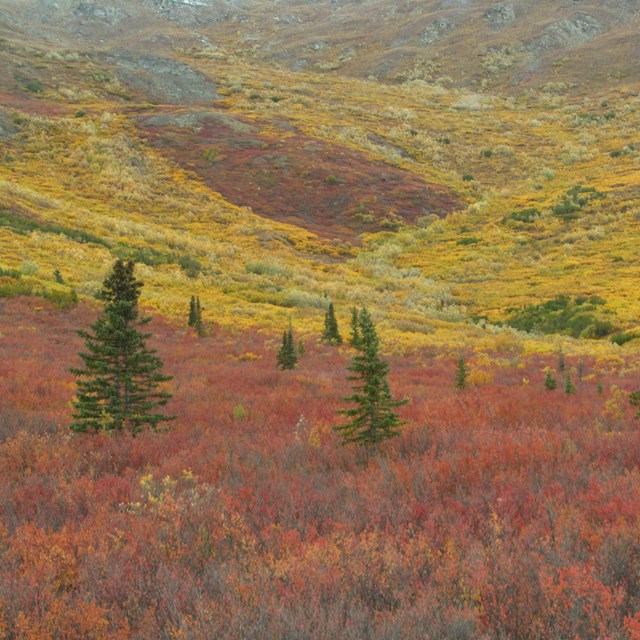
(505,45)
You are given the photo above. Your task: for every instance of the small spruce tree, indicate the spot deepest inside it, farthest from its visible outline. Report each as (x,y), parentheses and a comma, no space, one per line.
(355,329)
(331,333)
(634,400)
(193,312)
(287,357)
(58,276)
(561,363)
(372,420)
(195,315)
(119,386)
(550,383)
(461,374)
(199,324)
(569,387)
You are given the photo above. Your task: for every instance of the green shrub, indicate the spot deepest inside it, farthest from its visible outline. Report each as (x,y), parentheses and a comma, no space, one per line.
(576,317)
(10,273)
(623,338)
(12,287)
(239,412)
(467,241)
(190,266)
(63,300)
(211,155)
(574,200)
(29,268)
(35,86)
(524,215)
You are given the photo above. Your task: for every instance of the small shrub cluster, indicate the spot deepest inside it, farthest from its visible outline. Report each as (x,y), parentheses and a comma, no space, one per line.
(575,317)
(524,215)
(574,201)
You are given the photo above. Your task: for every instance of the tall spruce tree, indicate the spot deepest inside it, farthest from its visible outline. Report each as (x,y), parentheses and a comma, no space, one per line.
(118,388)
(331,333)
(372,419)
(287,357)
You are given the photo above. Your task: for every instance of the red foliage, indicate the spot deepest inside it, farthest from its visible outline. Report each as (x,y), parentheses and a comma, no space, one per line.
(503,511)
(332,190)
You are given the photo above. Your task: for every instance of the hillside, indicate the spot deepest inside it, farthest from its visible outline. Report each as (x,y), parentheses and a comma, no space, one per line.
(411,193)
(483,45)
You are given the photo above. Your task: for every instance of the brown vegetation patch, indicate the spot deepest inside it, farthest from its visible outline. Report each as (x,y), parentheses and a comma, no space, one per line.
(329,189)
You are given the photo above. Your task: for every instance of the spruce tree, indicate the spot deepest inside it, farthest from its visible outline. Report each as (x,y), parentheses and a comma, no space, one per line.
(355,329)
(331,333)
(199,324)
(561,363)
(634,400)
(550,383)
(569,387)
(372,419)
(461,374)
(193,312)
(287,357)
(195,315)
(118,388)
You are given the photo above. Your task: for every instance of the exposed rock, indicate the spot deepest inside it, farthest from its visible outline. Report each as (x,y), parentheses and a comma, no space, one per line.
(437,30)
(578,29)
(198,12)
(500,16)
(197,120)
(163,80)
(99,13)
(624,7)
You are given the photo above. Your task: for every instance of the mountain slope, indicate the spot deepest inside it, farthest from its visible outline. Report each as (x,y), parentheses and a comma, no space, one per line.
(487,44)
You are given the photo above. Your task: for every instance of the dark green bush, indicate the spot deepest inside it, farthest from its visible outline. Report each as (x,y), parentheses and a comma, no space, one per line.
(10,273)
(524,215)
(35,86)
(578,317)
(623,338)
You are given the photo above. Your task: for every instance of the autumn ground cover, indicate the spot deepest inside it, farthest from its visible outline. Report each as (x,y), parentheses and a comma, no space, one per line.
(503,510)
